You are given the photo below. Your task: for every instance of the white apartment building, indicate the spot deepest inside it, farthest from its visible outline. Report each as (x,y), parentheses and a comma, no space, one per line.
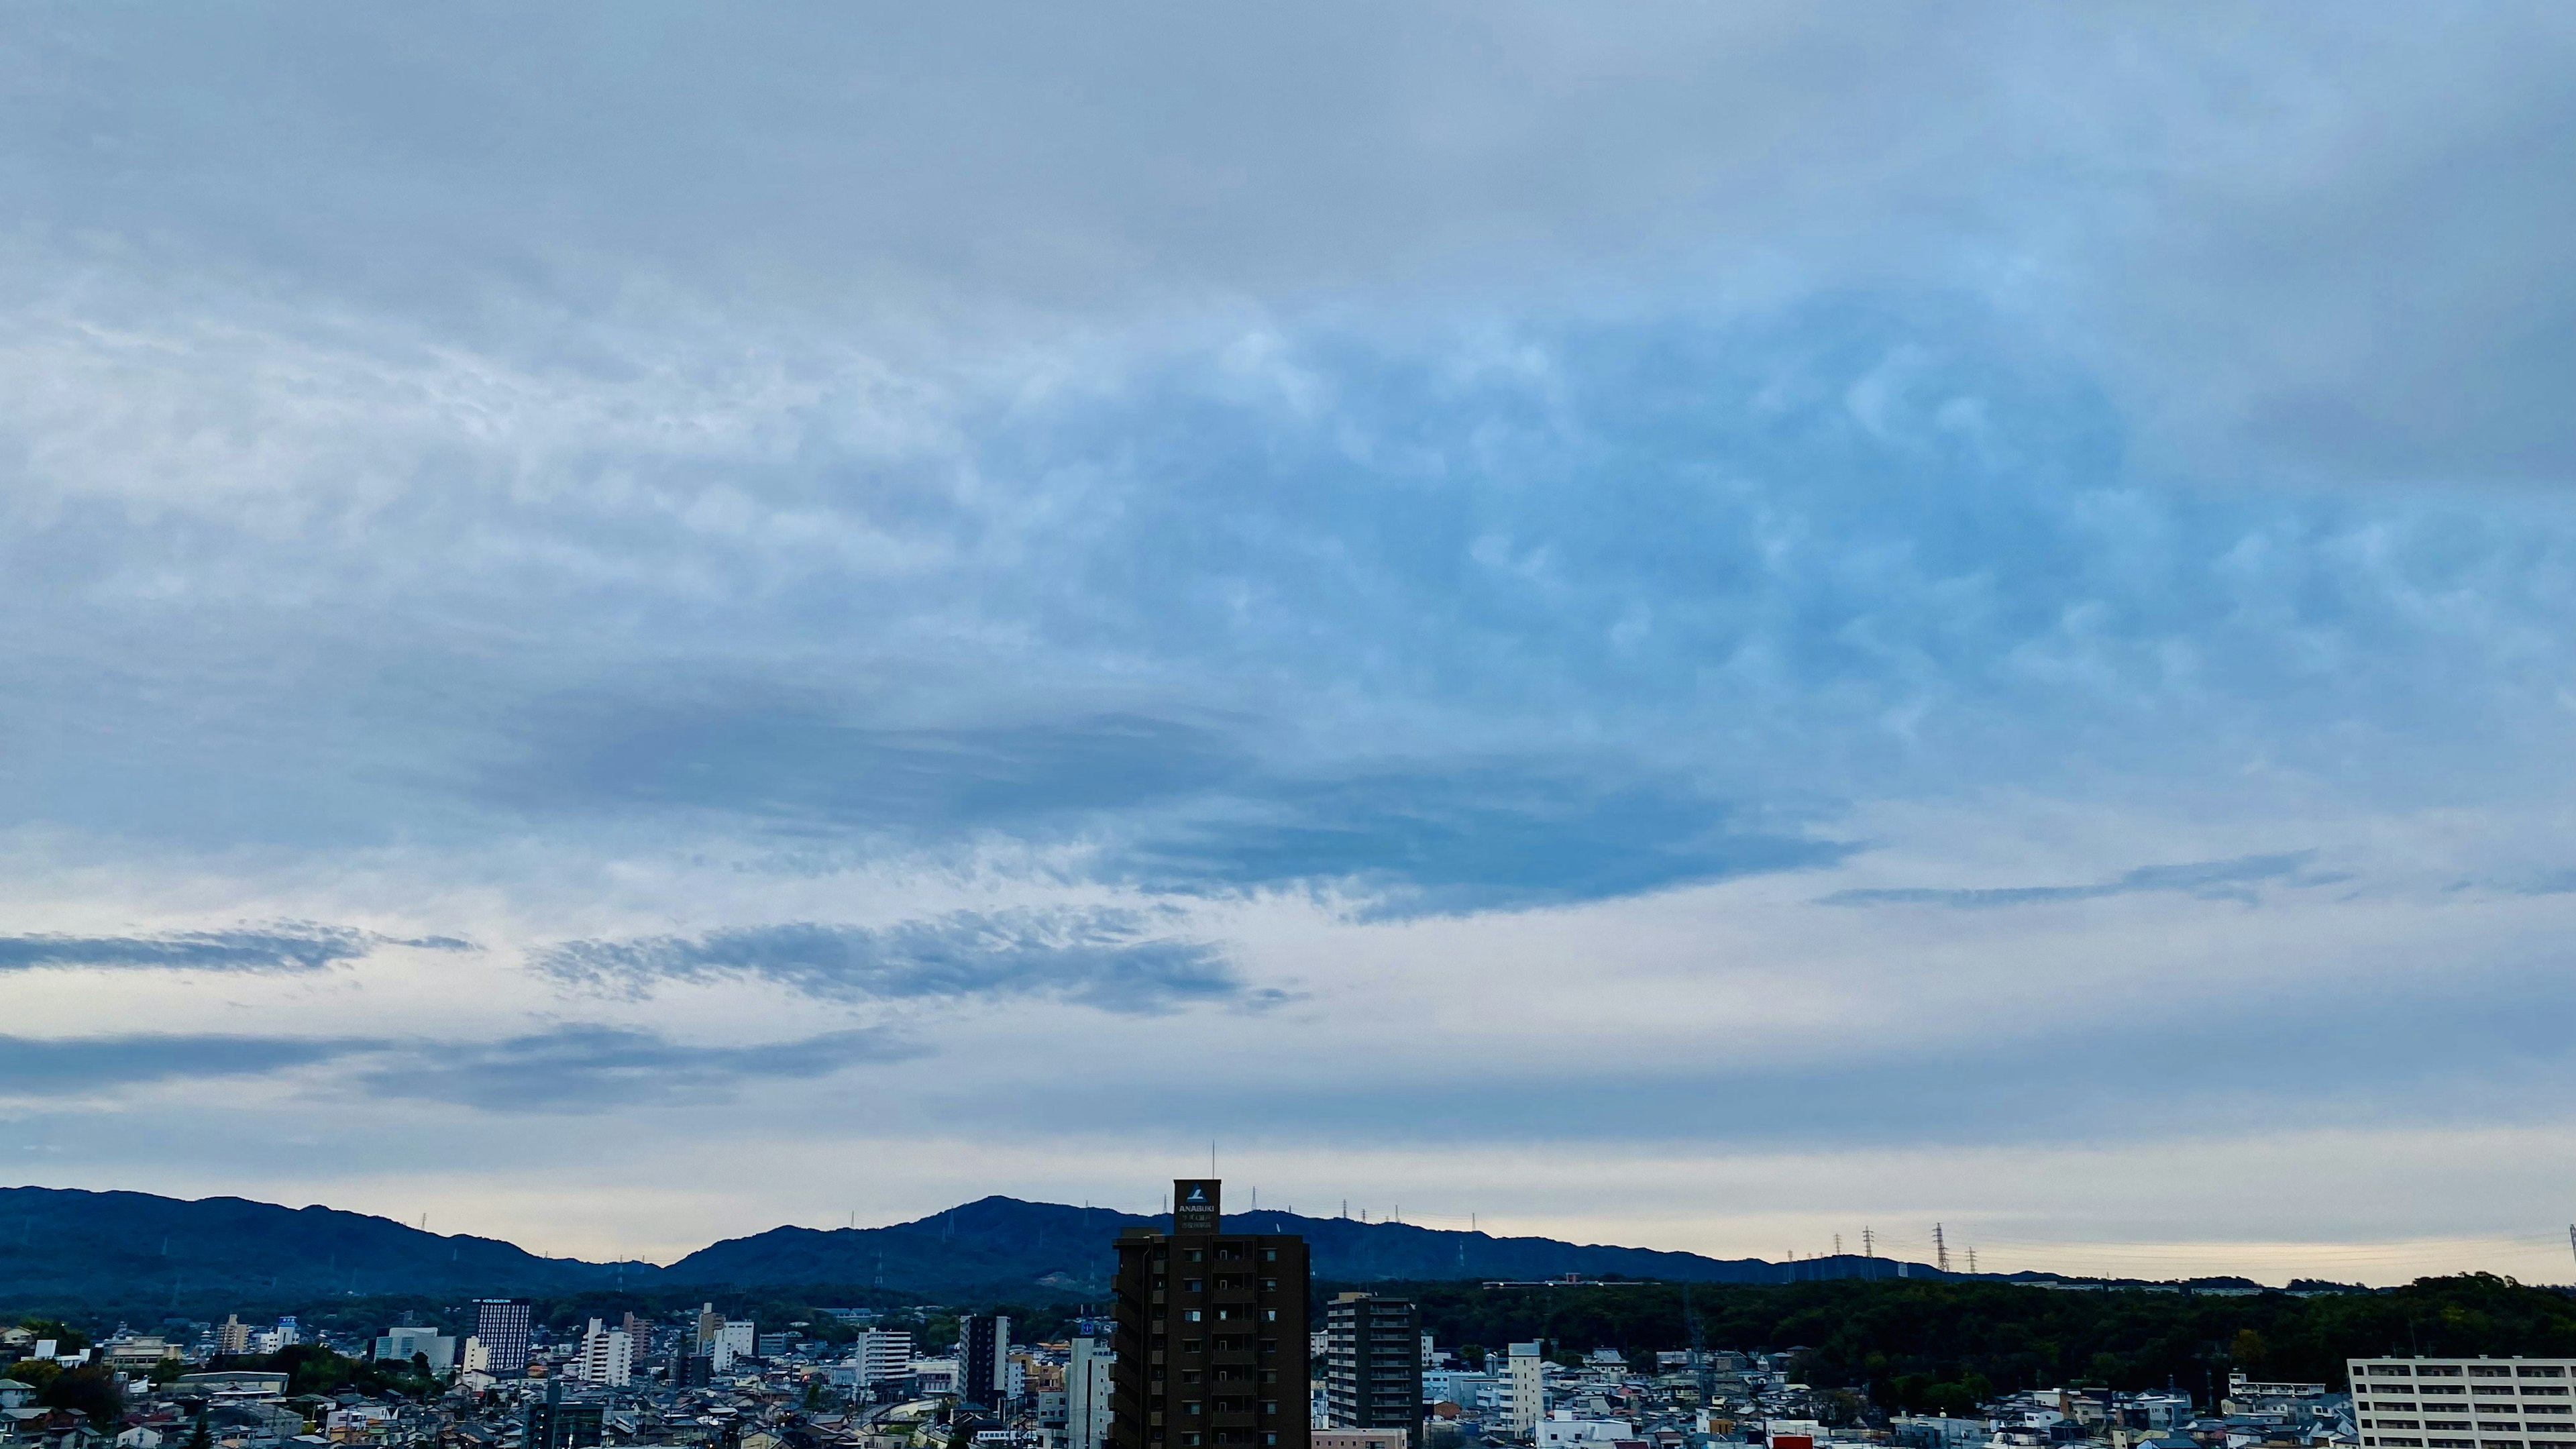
(1086,1393)
(2464,1403)
(1525,1389)
(742,1336)
(607,1357)
(880,1354)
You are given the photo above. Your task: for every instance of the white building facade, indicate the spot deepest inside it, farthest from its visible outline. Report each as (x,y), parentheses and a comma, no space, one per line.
(2464,1403)
(1525,1389)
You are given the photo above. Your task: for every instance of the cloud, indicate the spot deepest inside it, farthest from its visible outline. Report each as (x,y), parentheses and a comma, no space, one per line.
(78,1066)
(796,762)
(2230,880)
(1113,959)
(590,1068)
(1465,838)
(281,946)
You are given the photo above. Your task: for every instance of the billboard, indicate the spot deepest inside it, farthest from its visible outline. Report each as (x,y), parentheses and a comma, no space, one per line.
(1194,1204)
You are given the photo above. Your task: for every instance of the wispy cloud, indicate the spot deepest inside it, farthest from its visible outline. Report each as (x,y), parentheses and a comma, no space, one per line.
(588,1068)
(2230,880)
(1114,959)
(71,1066)
(1466,838)
(277,946)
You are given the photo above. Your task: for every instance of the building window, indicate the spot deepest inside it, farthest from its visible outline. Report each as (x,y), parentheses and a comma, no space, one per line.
(1189,1315)
(1270,1315)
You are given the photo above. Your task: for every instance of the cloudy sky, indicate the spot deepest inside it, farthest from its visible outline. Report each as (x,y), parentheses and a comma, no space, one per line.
(1672,624)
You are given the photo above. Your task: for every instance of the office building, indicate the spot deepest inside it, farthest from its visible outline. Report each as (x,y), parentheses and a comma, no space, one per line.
(607,1357)
(1373,1364)
(1210,1333)
(2463,1403)
(984,1358)
(505,1325)
(742,1336)
(554,1424)
(1087,1386)
(1525,1389)
(401,1345)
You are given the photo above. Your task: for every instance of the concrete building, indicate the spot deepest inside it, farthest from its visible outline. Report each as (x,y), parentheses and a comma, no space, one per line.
(1373,1364)
(506,1326)
(400,1344)
(1211,1332)
(1525,1389)
(1087,1386)
(607,1357)
(984,1358)
(1561,1430)
(2464,1403)
(232,1335)
(879,1355)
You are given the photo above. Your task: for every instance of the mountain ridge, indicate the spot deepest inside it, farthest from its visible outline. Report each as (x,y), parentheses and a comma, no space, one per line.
(75,1244)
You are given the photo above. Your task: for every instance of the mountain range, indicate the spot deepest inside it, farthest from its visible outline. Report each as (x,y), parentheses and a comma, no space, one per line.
(70,1246)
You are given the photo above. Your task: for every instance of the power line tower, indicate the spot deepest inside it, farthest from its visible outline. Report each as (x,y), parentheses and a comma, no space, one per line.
(1868,1243)
(1941,1249)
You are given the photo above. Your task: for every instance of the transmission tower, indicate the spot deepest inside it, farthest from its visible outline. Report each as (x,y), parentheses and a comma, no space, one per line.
(1941,1250)
(1868,1243)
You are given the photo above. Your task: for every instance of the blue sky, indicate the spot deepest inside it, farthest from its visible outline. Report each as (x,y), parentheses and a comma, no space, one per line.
(1687,626)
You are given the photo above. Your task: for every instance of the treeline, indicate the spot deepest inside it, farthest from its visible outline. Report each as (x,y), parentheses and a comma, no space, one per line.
(1918,1344)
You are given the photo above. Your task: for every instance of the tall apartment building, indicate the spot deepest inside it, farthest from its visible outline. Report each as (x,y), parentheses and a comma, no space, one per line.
(710,1327)
(1087,1388)
(1210,1333)
(1525,1389)
(880,1354)
(1373,1364)
(505,1326)
(984,1358)
(232,1335)
(2464,1403)
(607,1357)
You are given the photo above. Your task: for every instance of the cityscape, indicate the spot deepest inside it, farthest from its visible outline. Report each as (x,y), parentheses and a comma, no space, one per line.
(1218,1333)
(1365,724)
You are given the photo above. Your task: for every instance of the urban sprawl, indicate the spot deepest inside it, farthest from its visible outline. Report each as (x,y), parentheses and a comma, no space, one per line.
(1212,1341)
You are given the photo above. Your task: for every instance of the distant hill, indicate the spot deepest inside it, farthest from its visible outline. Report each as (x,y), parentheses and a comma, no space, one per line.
(996,1243)
(66,1246)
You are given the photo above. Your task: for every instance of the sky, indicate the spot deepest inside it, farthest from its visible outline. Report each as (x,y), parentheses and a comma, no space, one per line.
(1697,626)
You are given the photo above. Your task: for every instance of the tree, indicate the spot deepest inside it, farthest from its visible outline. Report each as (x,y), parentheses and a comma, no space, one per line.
(37,1371)
(92,1388)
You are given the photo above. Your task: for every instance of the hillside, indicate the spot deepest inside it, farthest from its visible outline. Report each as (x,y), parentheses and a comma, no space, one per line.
(1000,1243)
(67,1247)
(64,1245)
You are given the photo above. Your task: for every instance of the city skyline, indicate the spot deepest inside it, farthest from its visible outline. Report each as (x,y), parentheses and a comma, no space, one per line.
(1678,627)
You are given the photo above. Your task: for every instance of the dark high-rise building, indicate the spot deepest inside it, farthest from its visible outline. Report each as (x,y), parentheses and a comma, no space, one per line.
(505,1325)
(1210,1334)
(984,1358)
(554,1424)
(1373,1364)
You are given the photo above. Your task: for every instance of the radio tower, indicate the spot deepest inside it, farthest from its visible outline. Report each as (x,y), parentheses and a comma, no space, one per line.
(1941,1250)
